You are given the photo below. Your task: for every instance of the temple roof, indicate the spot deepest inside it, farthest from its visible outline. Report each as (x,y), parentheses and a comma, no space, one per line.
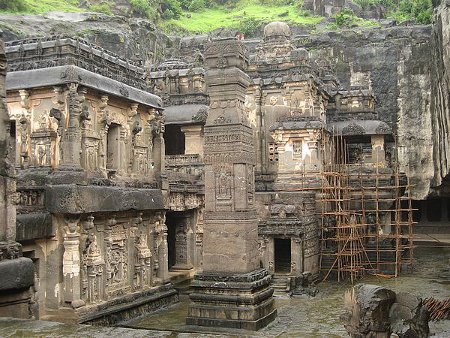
(47,77)
(360,127)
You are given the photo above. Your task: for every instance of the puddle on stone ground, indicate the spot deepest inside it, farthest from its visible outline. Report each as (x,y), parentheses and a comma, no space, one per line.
(305,316)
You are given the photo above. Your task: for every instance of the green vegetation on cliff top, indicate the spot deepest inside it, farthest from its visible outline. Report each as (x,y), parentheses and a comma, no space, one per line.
(39,6)
(201,16)
(246,17)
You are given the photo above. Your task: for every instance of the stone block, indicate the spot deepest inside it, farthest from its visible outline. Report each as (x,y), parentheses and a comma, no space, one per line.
(240,301)
(16,274)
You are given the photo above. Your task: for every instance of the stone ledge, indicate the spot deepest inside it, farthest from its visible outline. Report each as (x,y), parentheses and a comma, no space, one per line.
(237,278)
(75,199)
(130,306)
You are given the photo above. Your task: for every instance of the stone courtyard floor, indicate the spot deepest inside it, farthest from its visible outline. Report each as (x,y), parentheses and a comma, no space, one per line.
(301,316)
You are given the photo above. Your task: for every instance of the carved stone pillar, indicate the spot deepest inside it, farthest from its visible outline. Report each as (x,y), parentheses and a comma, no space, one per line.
(232,291)
(104,121)
(24,129)
(378,153)
(72,264)
(161,248)
(183,243)
(194,139)
(92,281)
(198,260)
(297,256)
(142,263)
(71,141)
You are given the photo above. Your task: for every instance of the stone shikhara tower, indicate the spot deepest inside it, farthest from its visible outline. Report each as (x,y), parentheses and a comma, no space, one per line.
(233,291)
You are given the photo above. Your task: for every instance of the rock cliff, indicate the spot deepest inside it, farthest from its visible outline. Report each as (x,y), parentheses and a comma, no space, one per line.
(395,63)
(440,100)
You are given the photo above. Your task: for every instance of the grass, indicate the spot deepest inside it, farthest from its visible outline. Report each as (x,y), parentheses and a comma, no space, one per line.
(210,19)
(44,6)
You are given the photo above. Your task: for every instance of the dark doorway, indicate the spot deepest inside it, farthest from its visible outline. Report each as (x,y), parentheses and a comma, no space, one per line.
(112,147)
(12,142)
(174,140)
(171,222)
(282,255)
(178,224)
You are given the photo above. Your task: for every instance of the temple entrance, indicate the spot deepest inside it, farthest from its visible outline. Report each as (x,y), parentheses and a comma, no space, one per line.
(179,236)
(282,255)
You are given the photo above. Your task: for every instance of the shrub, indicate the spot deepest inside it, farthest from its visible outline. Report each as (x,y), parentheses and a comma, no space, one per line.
(196,5)
(13,5)
(141,7)
(277,2)
(249,26)
(104,7)
(171,9)
(345,18)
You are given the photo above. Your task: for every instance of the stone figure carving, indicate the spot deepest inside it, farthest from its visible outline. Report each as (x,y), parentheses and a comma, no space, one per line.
(84,116)
(24,130)
(223,185)
(142,265)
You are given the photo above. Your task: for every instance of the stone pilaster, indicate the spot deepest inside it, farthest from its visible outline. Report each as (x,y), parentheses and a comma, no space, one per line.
(72,264)
(232,291)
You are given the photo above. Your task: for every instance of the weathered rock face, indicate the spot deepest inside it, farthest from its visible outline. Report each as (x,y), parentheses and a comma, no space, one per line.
(374,311)
(329,8)
(440,85)
(395,64)
(369,311)
(130,38)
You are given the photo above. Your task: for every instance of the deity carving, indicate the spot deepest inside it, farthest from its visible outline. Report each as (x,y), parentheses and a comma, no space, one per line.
(223,184)
(142,265)
(93,264)
(24,137)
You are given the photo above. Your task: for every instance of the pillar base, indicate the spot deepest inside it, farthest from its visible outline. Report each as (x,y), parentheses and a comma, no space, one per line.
(241,301)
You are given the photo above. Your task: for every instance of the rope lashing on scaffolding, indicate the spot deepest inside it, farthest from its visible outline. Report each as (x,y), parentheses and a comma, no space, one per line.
(438,309)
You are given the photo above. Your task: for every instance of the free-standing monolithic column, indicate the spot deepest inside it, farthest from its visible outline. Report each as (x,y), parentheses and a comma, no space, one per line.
(232,291)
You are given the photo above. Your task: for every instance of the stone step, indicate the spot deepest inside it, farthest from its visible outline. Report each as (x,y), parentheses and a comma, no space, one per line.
(280,285)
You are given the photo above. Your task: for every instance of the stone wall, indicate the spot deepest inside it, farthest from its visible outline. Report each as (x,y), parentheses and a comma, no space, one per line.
(16,271)
(7,185)
(440,85)
(89,143)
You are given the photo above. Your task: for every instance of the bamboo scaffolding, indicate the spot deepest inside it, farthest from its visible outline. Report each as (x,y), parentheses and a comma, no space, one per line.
(365,217)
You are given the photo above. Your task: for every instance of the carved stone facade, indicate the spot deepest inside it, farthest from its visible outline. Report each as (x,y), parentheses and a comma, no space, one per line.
(295,107)
(91,181)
